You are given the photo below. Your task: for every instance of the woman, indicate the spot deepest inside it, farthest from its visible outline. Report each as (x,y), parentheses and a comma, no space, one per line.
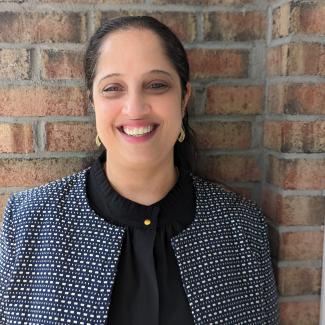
(136,238)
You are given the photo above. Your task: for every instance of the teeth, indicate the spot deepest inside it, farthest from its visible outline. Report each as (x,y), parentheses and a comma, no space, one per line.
(137,132)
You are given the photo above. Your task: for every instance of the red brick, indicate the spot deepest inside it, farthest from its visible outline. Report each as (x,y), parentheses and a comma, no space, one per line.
(183,24)
(281,21)
(299,18)
(42,101)
(301,245)
(307,18)
(204,2)
(3,202)
(218,63)
(223,135)
(230,168)
(306,174)
(34,172)
(16,138)
(42,27)
(58,64)
(297,99)
(306,58)
(14,64)
(288,136)
(234,26)
(299,312)
(228,100)
(293,210)
(70,136)
(93,1)
(297,59)
(299,280)
(300,210)
(277,60)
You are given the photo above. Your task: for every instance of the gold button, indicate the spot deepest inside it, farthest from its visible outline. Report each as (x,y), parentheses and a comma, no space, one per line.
(147,222)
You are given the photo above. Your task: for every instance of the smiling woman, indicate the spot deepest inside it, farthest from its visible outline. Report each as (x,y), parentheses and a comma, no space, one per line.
(136,238)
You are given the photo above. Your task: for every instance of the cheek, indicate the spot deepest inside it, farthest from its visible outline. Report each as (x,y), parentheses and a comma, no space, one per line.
(105,119)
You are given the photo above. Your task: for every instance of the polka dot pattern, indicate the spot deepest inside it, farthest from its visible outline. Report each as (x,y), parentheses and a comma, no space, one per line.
(58,258)
(224,260)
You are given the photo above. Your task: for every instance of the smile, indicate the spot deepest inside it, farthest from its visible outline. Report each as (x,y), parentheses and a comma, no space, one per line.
(137,131)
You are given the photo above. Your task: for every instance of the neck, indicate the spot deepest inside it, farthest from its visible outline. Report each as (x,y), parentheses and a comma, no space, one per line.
(142,185)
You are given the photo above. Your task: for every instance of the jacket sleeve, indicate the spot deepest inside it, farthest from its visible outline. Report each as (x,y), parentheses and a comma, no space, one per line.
(270,290)
(7,253)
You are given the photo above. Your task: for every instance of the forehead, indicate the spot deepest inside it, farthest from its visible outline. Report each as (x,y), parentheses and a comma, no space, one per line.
(132,48)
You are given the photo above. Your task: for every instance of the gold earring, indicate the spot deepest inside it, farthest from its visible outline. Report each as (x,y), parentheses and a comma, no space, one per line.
(181,136)
(98,142)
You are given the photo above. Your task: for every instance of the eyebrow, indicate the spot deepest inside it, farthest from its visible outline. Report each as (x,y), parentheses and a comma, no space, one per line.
(151,71)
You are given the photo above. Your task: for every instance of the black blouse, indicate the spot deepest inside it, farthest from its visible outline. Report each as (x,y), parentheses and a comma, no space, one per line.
(147,289)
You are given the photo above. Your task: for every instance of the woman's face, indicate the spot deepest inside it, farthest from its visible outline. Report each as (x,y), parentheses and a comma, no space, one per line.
(137,99)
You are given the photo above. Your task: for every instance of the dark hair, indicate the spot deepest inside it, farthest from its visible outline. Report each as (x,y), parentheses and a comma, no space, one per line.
(185,153)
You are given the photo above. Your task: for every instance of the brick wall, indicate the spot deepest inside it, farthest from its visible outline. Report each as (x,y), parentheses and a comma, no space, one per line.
(258,108)
(294,142)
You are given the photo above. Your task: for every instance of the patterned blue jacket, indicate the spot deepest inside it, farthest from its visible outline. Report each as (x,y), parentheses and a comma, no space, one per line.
(59,258)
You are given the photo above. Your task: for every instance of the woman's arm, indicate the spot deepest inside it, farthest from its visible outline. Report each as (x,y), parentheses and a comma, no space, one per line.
(270,290)
(7,253)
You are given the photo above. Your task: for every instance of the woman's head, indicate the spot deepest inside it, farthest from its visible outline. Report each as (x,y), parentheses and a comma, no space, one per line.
(121,48)
(172,46)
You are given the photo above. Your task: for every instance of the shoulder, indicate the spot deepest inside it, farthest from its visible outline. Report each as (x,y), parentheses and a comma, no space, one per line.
(227,208)
(52,191)
(214,194)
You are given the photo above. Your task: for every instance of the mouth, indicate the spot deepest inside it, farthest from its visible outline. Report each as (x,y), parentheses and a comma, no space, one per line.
(138,131)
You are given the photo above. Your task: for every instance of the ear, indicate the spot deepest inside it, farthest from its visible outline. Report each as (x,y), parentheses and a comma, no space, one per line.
(186,97)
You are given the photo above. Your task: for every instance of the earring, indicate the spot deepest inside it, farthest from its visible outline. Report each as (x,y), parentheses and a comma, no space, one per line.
(181,136)
(98,142)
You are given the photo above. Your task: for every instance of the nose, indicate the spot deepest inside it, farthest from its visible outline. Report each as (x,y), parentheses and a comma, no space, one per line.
(136,105)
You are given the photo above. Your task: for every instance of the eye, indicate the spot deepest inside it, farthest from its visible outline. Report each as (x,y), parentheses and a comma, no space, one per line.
(112,88)
(157,85)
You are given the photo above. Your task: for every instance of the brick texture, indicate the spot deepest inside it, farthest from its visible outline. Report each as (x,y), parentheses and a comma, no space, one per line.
(42,27)
(42,101)
(230,168)
(14,64)
(295,136)
(297,59)
(61,64)
(204,2)
(299,281)
(34,172)
(234,26)
(181,23)
(300,246)
(299,312)
(229,100)
(308,174)
(296,99)
(70,136)
(308,18)
(218,63)
(16,138)
(222,135)
(93,1)
(3,201)
(281,21)
(296,54)
(299,18)
(293,210)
